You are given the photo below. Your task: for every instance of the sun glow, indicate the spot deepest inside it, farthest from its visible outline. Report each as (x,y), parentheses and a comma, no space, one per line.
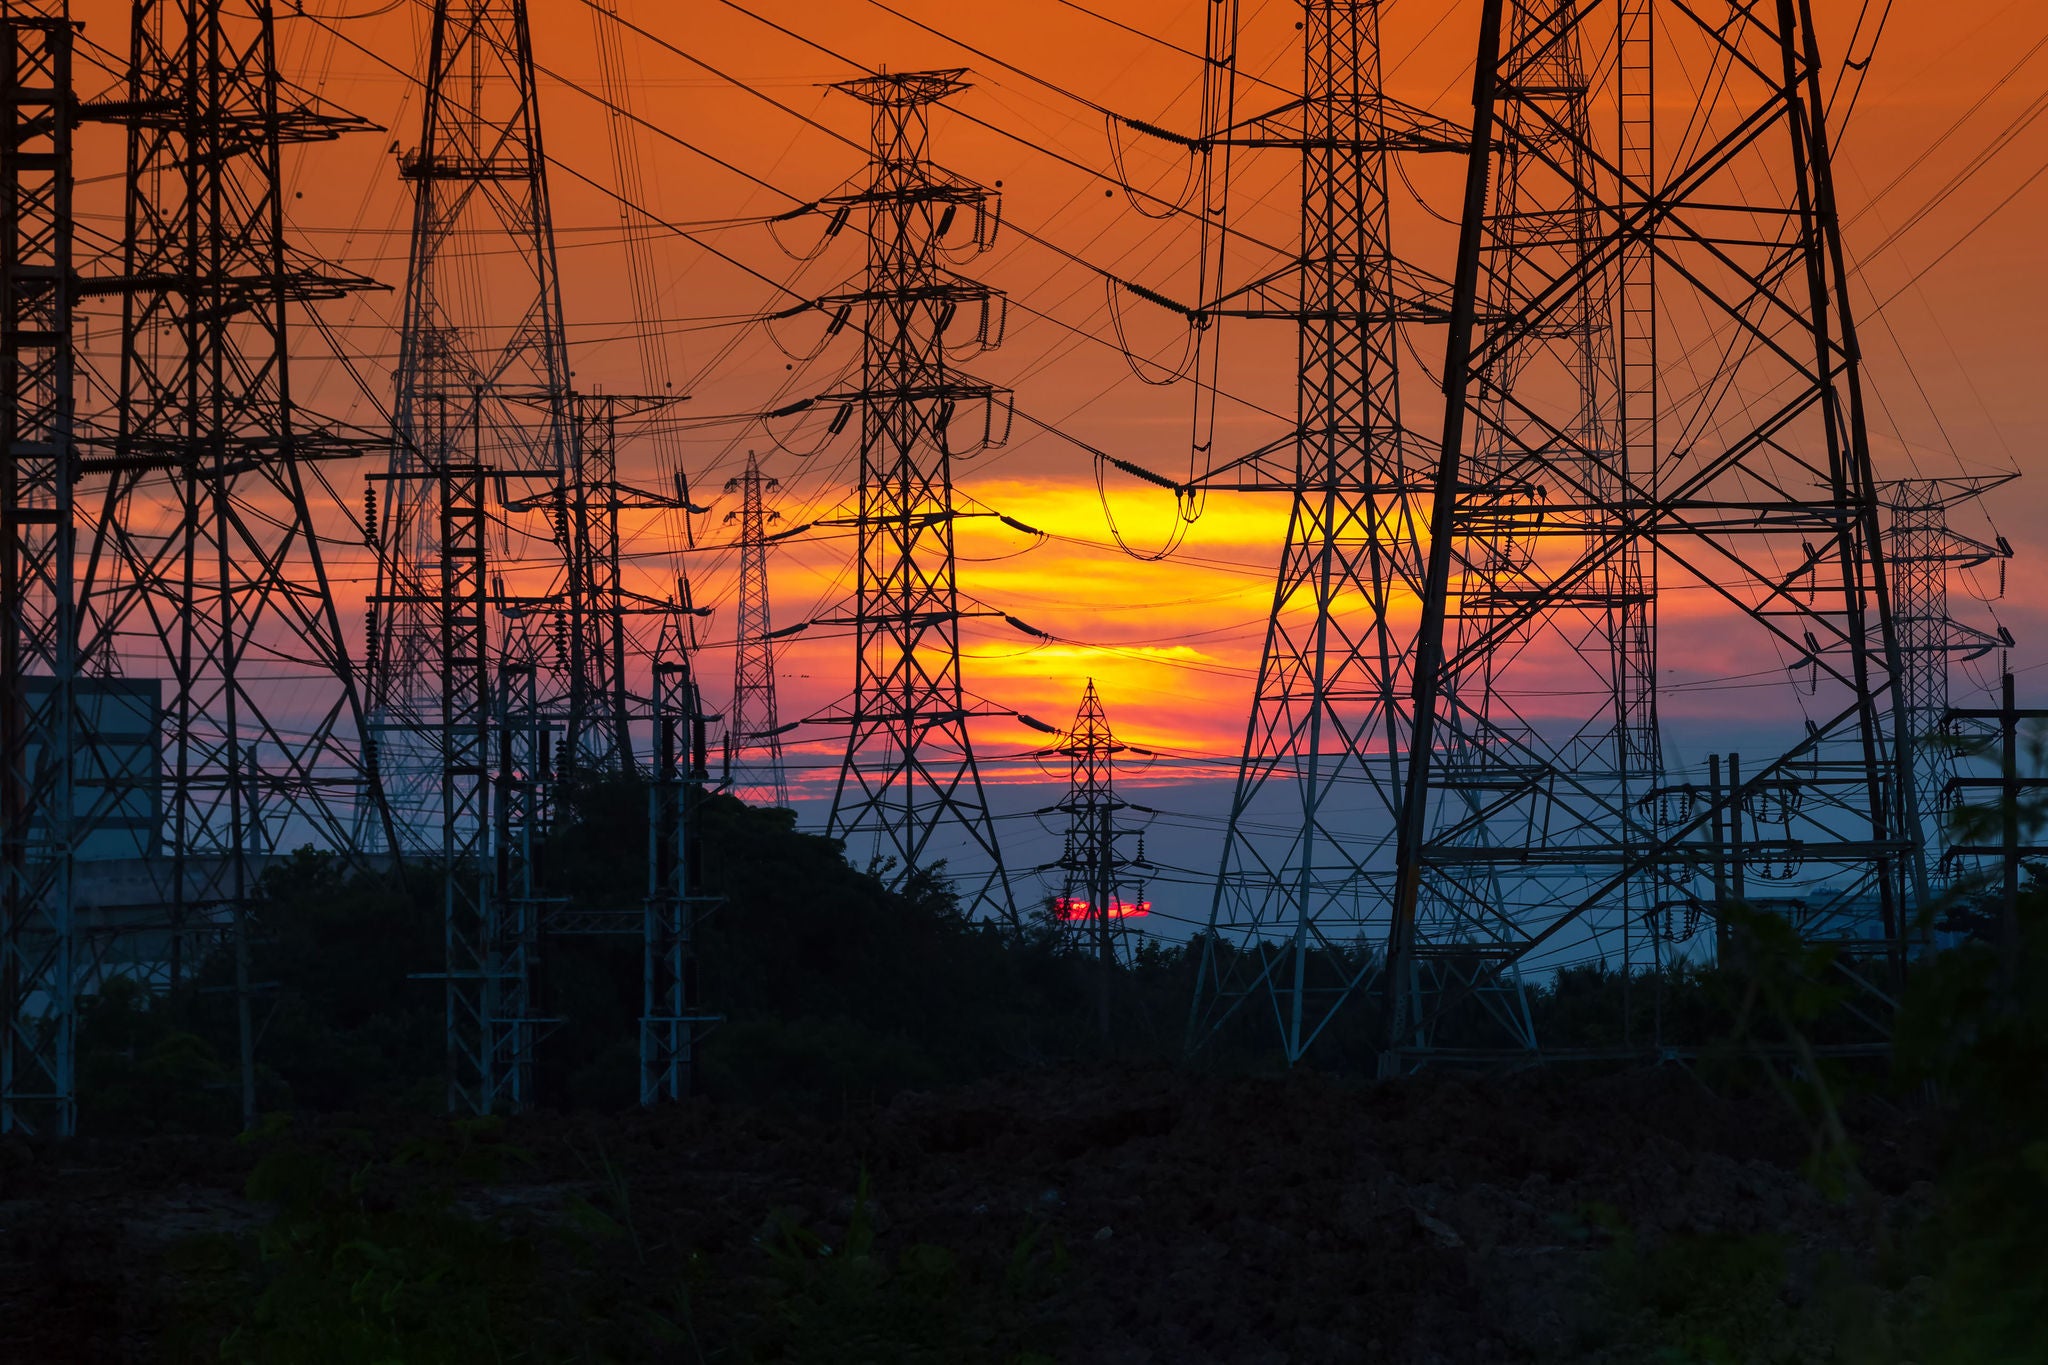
(1073,908)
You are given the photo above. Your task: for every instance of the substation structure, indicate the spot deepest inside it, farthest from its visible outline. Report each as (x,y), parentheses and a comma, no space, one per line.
(39,633)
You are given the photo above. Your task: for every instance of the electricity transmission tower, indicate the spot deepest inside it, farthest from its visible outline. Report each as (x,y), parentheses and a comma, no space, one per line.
(39,633)
(1924,552)
(592,619)
(909,772)
(1548,720)
(483,403)
(753,734)
(642,280)
(206,568)
(483,373)
(1321,762)
(671,1015)
(1098,873)
(1748,477)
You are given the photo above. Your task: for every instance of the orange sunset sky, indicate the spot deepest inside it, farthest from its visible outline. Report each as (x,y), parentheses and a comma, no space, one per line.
(1953,351)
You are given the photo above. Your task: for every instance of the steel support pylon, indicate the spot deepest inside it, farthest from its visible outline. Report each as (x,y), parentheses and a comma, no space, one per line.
(482,380)
(1548,724)
(753,734)
(909,792)
(1307,859)
(671,1016)
(592,635)
(1748,477)
(39,632)
(484,408)
(206,568)
(1924,552)
(1100,887)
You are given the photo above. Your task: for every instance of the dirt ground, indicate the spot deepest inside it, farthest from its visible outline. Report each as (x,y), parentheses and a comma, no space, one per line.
(1253,1221)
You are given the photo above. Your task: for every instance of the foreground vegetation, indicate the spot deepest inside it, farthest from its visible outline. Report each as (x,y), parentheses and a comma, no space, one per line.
(378,1240)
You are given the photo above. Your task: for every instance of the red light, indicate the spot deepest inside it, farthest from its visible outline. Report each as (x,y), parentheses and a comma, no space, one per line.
(1074,908)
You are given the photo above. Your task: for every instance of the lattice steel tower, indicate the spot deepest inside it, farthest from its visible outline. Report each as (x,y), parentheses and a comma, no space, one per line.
(909,773)
(483,404)
(1321,760)
(592,630)
(671,1015)
(483,371)
(206,568)
(1925,552)
(1749,479)
(1100,889)
(753,734)
(1548,725)
(39,632)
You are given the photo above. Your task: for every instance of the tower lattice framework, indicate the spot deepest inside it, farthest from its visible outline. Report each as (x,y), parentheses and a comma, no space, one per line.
(752,730)
(1548,728)
(592,619)
(1749,479)
(1100,885)
(485,455)
(909,788)
(1925,552)
(39,632)
(206,569)
(482,379)
(1321,760)
(672,1016)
